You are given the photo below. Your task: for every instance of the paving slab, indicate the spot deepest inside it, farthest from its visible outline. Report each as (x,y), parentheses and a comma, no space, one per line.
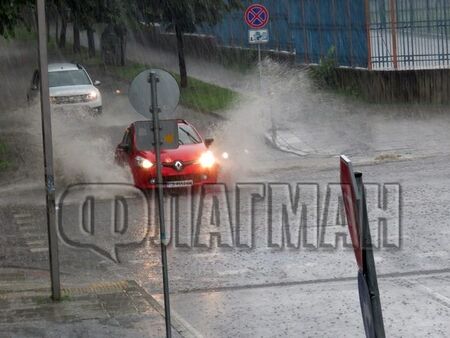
(119,309)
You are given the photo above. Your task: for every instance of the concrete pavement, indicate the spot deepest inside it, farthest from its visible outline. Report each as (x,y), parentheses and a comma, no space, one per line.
(112,309)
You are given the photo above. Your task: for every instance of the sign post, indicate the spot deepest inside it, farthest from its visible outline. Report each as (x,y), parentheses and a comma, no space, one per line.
(48,153)
(163,98)
(154,110)
(358,224)
(256,17)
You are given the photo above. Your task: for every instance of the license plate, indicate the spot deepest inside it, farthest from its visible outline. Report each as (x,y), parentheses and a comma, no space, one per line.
(179,184)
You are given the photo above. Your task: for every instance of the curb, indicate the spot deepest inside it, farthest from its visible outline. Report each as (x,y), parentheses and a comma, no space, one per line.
(272,138)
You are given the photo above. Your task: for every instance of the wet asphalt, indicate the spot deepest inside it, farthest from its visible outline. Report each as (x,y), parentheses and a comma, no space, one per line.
(233,289)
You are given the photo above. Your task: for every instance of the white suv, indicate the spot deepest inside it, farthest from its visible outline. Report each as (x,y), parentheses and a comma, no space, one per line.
(70,86)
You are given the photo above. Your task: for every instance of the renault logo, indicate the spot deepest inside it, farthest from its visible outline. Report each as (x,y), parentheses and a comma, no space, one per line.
(178,165)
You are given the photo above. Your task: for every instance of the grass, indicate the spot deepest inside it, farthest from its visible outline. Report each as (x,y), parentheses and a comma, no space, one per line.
(206,97)
(199,95)
(4,163)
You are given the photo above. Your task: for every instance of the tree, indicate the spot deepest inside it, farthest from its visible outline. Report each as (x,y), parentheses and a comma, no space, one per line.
(11,13)
(184,16)
(118,14)
(61,8)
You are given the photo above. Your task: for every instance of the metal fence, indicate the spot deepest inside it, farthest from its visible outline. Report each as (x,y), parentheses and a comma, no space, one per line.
(409,34)
(373,34)
(312,29)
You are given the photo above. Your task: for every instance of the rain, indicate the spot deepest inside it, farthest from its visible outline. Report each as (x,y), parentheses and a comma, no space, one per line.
(302,191)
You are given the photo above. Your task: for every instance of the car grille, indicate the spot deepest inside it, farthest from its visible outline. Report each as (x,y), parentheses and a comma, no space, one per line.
(70,99)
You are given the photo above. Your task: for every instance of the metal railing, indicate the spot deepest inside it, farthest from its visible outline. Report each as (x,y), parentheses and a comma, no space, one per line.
(409,34)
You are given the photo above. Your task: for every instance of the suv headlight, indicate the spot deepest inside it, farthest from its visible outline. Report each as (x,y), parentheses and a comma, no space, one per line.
(143,162)
(92,95)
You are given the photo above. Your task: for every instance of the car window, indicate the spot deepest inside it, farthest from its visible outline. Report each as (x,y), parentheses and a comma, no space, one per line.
(187,135)
(68,78)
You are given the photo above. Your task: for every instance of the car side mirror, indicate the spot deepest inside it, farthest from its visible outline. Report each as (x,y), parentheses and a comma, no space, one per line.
(208,142)
(97,83)
(124,147)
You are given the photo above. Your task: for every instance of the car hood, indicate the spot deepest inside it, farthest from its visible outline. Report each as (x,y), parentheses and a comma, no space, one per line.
(184,153)
(71,90)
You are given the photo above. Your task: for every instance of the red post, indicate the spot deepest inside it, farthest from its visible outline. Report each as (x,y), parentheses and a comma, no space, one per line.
(369,40)
(393,10)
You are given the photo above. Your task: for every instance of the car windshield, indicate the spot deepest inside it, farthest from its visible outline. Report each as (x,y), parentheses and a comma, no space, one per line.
(144,135)
(68,78)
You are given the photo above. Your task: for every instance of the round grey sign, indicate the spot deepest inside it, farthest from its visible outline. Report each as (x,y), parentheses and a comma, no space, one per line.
(168,92)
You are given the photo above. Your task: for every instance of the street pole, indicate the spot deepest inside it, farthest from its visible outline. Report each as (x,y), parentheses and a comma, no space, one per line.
(48,152)
(260,67)
(154,110)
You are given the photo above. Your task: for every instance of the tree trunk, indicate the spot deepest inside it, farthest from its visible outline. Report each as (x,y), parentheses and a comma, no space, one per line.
(76,36)
(91,42)
(47,26)
(62,33)
(123,46)
(181,59)
(56,27)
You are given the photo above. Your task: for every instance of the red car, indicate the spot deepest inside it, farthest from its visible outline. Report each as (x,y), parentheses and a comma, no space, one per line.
(191,164)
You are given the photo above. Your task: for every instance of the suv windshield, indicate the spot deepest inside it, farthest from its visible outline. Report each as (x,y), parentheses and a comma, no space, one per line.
(68,78)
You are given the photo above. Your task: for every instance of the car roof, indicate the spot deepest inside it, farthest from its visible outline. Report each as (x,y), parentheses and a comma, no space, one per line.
(59,67)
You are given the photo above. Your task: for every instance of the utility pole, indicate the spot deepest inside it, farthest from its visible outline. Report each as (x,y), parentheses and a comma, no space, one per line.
(48,152)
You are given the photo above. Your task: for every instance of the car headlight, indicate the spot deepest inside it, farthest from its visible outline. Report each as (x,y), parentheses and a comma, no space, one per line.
(92,95)
(143,162)
(207,159)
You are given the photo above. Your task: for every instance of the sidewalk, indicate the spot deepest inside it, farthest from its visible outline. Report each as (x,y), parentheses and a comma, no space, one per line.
(119,309)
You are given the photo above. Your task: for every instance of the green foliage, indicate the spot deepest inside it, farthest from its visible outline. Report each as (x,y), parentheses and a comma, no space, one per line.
(324,74)
(186,14)
(206,97)
(11,15)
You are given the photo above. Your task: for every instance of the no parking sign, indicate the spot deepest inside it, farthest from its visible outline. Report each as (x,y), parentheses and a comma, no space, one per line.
(256,16)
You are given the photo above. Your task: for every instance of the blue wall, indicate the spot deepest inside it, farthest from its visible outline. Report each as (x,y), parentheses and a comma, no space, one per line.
(308,27)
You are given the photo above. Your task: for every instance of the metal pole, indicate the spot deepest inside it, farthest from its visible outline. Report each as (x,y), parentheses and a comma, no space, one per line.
(155,111)
(260,67)
(48,152)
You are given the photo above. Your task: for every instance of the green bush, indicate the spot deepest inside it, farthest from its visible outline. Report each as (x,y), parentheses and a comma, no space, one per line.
(324,75)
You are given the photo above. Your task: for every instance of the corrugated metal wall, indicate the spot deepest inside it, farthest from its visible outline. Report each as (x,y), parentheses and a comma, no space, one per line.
(310,28)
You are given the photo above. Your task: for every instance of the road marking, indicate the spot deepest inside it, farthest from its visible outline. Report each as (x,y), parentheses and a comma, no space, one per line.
(38,243)
(233,272)
(440,298)
(21,221)
(20,216)
(433,254)
(32,235)
(38,249)
(28,228)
